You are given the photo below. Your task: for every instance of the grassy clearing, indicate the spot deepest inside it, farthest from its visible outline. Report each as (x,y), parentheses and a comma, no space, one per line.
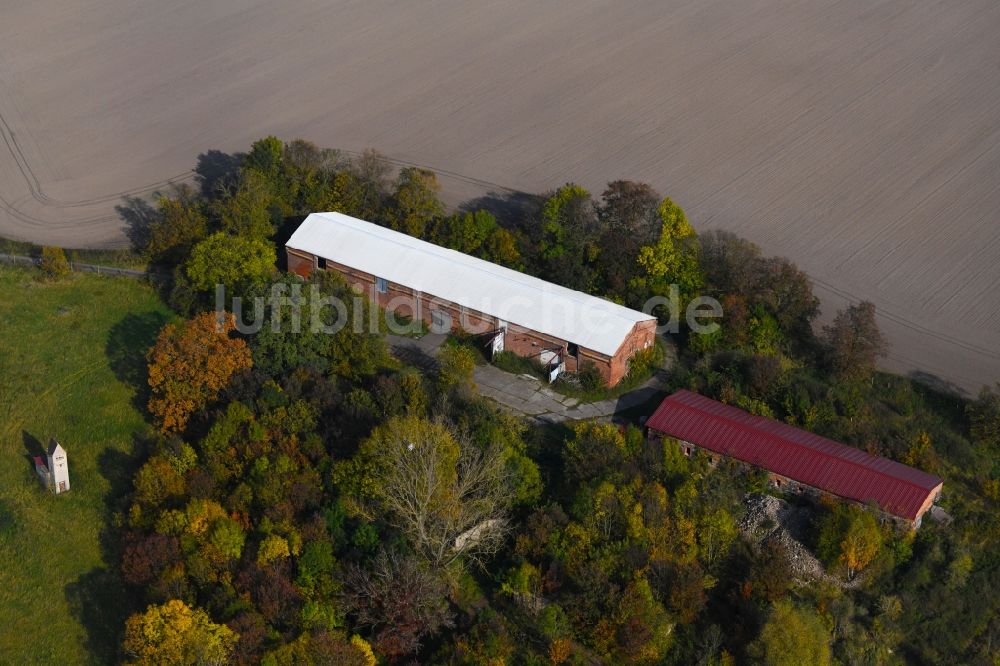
(71,366)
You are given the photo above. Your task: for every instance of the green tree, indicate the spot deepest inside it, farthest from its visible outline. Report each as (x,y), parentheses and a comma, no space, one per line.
(729,262)
(716,533)
(320,648)
(921,454)
(773,286)
(302,329)
(792,637)
(672,259)
(849,535)
(156,481)
(226,539)
(265,156)
(355,355)
(771,575)
(641,629)
(501,247)
(763,333)
(984,418)
(465,232)
(176,634)
(323,192)
(251,210)
(415,203)
(181,222)
(287,339)
(786,292)
(596,450)
(233,261)
(53,262)
(567,247)
(861,543)
(272,548)
(631,208)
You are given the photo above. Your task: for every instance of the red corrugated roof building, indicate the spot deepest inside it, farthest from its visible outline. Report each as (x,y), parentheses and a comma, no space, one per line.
(796,455)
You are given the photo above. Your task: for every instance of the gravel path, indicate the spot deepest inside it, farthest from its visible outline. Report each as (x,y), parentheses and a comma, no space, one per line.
(524,394)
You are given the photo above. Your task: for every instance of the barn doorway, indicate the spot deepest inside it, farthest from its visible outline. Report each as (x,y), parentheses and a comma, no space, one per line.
(553,363)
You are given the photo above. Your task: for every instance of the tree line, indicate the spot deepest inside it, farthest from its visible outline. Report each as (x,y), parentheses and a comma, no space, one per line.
(308,498)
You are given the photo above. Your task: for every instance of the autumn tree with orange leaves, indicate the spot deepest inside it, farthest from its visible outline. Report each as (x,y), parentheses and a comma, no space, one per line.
(189,365)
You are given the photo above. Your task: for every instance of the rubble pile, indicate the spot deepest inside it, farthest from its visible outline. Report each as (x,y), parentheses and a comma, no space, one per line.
(768,517)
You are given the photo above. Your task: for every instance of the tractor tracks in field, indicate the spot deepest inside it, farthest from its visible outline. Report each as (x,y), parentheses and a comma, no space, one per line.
(37,193)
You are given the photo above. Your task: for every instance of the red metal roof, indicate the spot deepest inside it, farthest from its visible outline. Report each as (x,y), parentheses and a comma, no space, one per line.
(797,454)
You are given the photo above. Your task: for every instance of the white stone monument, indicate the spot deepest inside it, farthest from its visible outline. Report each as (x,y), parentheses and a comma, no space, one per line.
(53,471)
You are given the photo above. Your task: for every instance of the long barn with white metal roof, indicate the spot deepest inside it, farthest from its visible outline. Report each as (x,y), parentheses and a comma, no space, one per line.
(562,328)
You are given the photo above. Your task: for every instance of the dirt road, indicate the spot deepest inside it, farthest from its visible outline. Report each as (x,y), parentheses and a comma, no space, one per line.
(859,138)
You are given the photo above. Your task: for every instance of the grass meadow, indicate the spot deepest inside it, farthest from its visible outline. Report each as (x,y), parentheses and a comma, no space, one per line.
(71,367)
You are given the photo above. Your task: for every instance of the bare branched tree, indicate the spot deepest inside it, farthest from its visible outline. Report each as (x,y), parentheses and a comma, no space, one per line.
(855,342)
(449,496)
(448,508)
(399,599)
(372,172)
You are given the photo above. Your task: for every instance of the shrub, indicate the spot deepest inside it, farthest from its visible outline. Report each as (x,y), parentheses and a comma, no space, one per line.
(553,623)
(54,263)
(457,366)
(645,361)
(590,377)
(510,362)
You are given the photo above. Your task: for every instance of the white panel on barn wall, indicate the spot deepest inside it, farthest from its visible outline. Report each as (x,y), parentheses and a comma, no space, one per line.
(497,344)
(440,321)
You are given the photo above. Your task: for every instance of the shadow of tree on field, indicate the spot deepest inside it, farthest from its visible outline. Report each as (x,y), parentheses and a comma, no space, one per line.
(216,170)
(33,447)
(945,399)
(32,444)
(512,209)
(938,384)
(94,599)
(9,522)
(126,347)
(138,215)
(100,599)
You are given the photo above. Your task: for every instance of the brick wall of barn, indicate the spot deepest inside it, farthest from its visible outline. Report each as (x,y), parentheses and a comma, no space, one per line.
(641,337)
(523,342)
